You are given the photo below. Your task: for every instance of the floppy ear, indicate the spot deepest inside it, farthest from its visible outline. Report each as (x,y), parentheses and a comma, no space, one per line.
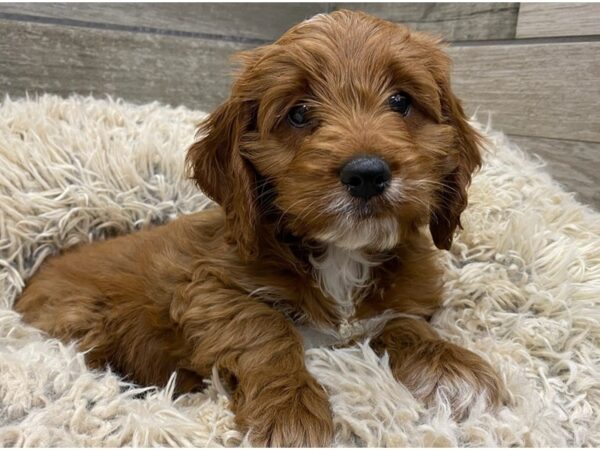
(452,196)
(219,169)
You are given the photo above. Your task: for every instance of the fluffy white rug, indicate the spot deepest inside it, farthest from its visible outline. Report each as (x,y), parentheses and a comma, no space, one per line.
(523,291)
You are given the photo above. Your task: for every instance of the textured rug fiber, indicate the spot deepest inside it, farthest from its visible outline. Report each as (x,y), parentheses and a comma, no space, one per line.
(523,291)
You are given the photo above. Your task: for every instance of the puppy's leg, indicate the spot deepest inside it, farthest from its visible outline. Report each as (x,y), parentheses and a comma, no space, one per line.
(428,365)
(275,397)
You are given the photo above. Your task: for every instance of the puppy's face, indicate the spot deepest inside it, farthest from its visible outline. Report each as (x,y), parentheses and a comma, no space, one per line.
(347,127)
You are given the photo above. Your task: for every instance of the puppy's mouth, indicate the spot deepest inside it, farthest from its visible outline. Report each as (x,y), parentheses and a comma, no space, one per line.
(366,209)
(362,207)
(354,233)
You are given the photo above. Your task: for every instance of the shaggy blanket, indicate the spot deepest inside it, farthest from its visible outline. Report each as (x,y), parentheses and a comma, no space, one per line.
(523,291)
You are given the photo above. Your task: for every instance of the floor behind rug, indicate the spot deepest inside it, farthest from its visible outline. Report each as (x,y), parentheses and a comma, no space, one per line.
(523,291)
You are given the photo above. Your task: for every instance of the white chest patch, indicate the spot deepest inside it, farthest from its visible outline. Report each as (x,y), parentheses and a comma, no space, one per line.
(344,275)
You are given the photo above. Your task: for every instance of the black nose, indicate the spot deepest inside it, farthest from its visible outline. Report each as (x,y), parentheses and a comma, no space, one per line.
(366,176)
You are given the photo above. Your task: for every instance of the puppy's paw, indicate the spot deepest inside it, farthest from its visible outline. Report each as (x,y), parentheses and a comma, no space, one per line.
(289,417)
(441,370)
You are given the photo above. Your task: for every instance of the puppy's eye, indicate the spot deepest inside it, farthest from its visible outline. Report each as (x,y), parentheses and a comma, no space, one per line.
(298,116)
(400,103)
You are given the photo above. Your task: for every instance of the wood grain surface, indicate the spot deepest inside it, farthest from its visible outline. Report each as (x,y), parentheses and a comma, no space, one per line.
(255,22)
(545,90)
(558,19)
(453,21)
(139,67)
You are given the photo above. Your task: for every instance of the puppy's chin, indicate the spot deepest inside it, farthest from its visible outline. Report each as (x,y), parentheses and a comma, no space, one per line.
(376,234)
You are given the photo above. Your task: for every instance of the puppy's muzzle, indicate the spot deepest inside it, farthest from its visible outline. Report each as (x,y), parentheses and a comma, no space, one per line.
(366,176)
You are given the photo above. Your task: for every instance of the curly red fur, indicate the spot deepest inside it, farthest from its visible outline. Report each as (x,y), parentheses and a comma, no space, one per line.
(225,287)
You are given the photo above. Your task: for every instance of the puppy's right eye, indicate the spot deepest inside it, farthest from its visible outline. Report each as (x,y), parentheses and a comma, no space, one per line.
(298,116)
(400,102)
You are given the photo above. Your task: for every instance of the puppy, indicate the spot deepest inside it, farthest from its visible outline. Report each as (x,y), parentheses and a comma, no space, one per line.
(340,158)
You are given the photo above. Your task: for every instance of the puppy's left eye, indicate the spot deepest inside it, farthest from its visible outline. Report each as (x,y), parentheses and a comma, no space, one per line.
(400,103)
(298,116)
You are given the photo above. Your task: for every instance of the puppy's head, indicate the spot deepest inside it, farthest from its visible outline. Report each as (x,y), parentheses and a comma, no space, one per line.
(347,127)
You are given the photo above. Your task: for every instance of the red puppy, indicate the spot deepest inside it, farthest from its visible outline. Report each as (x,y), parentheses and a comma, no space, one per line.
(339,159)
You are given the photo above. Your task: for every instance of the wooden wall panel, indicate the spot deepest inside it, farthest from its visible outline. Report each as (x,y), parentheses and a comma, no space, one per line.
(135,66)
(250,21)
(454,21)
(558,19)
(545,90)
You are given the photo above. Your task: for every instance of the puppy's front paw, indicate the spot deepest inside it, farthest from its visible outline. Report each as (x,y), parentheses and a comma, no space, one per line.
(288,416)
(441,369)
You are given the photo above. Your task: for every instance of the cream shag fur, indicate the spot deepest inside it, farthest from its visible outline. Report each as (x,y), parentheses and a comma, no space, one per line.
(523,290)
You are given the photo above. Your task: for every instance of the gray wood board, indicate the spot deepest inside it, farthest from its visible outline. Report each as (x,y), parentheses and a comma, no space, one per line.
(575,165)
(247,20)
(453,21)
(558,19)
(544,90)
(139,67)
